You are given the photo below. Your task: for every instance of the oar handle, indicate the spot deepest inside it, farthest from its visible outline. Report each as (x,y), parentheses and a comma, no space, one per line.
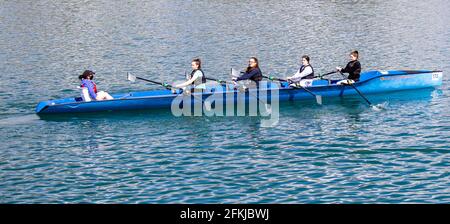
(168,86)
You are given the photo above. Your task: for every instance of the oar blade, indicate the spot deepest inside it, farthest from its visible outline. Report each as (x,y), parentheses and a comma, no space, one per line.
(208,106)
(235,73)
(268,108)
(131,77)
(319,99)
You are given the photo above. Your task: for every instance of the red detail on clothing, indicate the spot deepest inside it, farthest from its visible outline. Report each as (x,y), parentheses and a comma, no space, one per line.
(93,83)
(95,87)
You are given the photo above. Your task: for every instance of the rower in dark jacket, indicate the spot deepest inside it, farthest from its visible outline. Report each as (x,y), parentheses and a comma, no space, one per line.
(252,72)
(353,69)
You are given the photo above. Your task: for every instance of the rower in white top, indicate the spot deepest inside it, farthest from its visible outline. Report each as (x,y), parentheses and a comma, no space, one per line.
(304,76)
(196,79)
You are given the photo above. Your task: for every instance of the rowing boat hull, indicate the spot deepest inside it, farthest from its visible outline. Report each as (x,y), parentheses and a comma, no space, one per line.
(371,82)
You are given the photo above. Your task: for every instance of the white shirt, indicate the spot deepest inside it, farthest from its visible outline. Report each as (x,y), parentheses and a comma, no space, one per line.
(299,75)
(198,75)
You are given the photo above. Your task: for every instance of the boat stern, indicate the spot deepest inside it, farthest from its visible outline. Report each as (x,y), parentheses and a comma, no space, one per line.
(42,106)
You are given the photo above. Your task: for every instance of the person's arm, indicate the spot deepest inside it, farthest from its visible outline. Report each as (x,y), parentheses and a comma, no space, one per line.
(299,75)
(190,81)
(346,69)
(248,75)
(90,88)
(357,68)
(295,75)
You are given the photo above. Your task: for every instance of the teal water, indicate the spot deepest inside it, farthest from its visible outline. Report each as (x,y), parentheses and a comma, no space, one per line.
(341,152)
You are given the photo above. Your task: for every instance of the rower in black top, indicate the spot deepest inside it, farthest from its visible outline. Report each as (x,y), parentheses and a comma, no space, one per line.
(252,73)
(353,69)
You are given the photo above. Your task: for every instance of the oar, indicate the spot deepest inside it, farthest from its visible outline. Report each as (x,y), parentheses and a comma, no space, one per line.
(235,73)
(318,97)
(319,76)
(354,87)
(218,80)
(329,73)
(266,105)
(133,78)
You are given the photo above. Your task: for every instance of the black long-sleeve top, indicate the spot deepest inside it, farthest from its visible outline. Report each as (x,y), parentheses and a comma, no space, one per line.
(353,69)
(254,74)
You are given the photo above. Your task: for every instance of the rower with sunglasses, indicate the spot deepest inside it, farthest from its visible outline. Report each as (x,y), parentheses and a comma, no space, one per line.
(252,72)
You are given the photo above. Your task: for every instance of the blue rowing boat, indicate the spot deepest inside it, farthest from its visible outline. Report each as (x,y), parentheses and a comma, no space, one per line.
(371,82)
